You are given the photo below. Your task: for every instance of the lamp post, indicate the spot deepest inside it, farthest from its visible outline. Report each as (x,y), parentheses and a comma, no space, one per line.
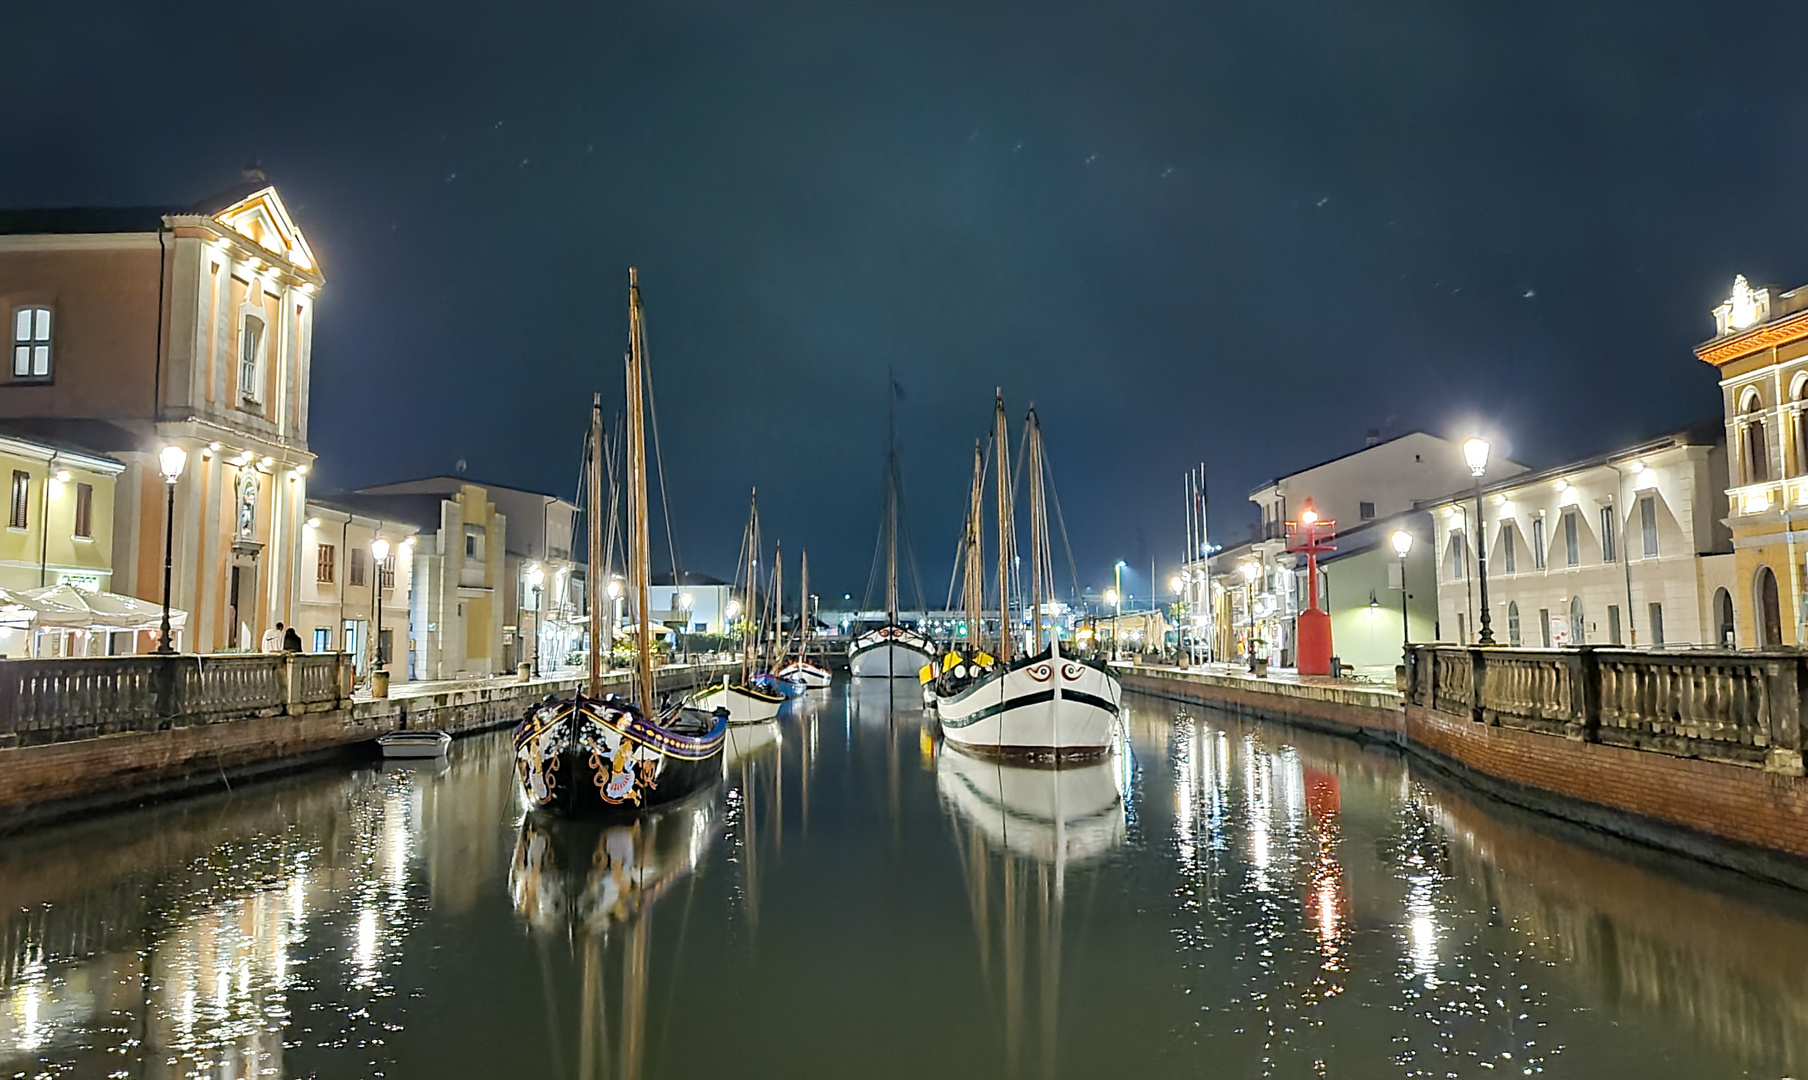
(170,462)
(1116,602)
(1402,541)
(379,553)
(535,578)
(1251,570)
(685,600)
(1475,452)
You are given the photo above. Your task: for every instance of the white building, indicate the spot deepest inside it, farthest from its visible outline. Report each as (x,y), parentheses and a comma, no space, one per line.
(1628,548)
(336,609)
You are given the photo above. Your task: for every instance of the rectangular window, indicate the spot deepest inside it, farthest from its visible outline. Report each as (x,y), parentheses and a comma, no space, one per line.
(1609,523)
(385,638)
(1648,525)
(31,343)
(323,639)
(1365,510)
(386,573)
(1507,544)
(1462,633)
(1544,625)
(470,545)
(251,344)
(1655,618)
(354,572)
(1538,547)
(84,510)
(1572,543)
(326,559)
(21,510)
(1613,624)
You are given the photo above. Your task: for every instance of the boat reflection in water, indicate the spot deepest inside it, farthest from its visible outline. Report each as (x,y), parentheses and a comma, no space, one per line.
(1020,831)
(595,885)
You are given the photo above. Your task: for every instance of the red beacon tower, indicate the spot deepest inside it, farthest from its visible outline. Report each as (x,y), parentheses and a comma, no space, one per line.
(1314,624)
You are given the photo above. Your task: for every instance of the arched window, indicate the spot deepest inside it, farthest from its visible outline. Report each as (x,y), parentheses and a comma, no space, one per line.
(1577,628)
(1799,423)
(1757,443)
(1723,617)
(1513,622)
(251,354)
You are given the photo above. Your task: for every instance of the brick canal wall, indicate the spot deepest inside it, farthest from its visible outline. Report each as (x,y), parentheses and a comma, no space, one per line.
(47,781)
(1748,813)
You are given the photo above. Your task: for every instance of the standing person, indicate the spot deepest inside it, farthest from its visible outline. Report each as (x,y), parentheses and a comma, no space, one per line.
(291,640)
(273,639)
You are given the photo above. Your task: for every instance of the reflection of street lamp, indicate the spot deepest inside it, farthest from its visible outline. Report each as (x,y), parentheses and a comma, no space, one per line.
(1475,454)
(379,554)
(1403,544)
(1251,571)
(535,578)
(170,462)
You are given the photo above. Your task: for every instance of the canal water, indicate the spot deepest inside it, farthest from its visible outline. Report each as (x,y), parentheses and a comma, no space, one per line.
(1221,899)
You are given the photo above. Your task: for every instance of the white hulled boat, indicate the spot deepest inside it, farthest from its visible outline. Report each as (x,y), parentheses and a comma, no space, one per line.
(1047,706)
(745,701)
(799,671)
(892,650)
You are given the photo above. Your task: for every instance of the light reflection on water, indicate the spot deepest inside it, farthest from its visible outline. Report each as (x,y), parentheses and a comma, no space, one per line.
(1216,897)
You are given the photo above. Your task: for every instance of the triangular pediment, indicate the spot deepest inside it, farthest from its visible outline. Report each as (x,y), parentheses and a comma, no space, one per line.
(261,218)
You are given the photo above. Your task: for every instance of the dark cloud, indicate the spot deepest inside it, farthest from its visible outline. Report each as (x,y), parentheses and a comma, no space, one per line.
(1239,232)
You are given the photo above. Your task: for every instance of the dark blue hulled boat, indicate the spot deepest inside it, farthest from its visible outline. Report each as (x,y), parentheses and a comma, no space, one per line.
(602,756)
(581,757)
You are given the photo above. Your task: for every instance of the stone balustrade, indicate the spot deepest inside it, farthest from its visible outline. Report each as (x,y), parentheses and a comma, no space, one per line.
(56,700)
(1743,708)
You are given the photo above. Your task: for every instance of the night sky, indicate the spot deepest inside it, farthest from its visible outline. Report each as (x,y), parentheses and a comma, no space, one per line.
(1240,233)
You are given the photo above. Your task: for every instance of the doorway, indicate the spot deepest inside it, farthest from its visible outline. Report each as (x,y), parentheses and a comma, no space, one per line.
(1770,614)
(1723,618)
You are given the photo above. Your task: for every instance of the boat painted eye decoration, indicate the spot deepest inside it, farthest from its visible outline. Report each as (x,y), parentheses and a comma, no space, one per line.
(1040,672)
(1072,672)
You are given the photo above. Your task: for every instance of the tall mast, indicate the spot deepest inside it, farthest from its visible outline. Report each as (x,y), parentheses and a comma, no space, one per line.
(1007,537)
(891,505)
(805,621)
(776,654)
(1038,532)
(974,583)
(639,545)
(599,573)
(748,611)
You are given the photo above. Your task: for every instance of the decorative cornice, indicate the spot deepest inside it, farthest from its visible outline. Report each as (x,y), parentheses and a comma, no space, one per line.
(1723,351)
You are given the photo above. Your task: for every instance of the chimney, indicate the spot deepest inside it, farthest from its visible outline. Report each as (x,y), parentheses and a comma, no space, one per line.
(1373,438)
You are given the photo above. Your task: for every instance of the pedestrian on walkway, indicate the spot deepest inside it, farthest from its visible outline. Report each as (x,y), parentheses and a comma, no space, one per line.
(273,639)
(291,641)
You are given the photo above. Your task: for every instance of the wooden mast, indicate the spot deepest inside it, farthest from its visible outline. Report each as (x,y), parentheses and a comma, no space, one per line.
(974,584)
(1038,532)
(1007,538)
(639,545)
(599,574)
(747,608)
(775,655)
(805,621)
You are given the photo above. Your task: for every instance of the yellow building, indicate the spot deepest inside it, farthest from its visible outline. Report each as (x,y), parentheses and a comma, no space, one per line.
(1760,347)
(59,527)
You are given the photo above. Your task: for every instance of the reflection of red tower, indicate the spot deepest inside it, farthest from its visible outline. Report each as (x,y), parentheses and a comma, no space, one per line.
(1327,901)
(1314,625)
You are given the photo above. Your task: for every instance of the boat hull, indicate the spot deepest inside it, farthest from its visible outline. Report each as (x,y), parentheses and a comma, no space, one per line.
(1046,708)
(414,744)
(745,704)
(579,757)
(808,676)
(890,657)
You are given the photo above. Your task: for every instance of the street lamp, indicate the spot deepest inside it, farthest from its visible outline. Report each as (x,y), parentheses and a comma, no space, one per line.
(685,600)
(170,462)
(1402,544)
(1251,571)
(535,577)
(1475,453)
(379,553)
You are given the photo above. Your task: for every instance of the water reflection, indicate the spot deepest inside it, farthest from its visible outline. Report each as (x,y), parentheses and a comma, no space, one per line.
(1020,831)
(594,887)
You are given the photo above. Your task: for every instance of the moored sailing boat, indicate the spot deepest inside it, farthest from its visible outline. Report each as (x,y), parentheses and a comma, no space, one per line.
(800,671)
(744,701)
(1045,706)
(597,755)
(892,650)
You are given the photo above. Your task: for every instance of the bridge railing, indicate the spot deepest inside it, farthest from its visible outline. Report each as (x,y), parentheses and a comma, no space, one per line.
(54,700)
(1721,705)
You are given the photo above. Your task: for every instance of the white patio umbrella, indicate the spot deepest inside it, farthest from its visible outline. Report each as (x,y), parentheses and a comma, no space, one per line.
(66,606)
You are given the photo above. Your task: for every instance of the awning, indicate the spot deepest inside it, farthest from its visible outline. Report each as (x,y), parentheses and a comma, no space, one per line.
(67,607)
